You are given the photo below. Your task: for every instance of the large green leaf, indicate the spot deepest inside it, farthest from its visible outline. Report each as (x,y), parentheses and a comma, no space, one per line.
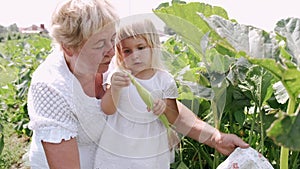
(185,21)
(258,82)
(280,93)
(286,132)
(290,29)
(254,41)
(290,77)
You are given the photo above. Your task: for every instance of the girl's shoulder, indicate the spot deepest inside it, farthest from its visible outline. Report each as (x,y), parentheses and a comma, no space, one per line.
(163,73)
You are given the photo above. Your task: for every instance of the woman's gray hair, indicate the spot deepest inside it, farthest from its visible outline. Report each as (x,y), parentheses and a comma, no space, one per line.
(74,21)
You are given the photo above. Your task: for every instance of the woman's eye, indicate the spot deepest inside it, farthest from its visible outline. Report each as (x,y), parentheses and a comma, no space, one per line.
(113,41)
(100,44)
(141,47)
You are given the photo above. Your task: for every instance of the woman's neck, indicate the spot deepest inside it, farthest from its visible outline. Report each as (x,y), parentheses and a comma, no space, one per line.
(90,83)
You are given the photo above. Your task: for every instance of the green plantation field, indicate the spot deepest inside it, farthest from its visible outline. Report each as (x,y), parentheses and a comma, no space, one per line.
(238,78)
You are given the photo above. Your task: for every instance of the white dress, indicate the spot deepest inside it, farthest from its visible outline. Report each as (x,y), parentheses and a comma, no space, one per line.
(59,109)
(134,138)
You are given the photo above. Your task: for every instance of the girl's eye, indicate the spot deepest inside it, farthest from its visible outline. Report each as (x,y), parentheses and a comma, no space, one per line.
(141,47)
(126,51)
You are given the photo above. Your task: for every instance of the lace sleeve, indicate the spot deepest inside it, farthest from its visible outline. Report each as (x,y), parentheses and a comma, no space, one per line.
(50,114)
(170,88)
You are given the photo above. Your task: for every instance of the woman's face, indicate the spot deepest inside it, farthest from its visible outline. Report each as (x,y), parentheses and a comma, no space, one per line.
(136,53)
(97,51)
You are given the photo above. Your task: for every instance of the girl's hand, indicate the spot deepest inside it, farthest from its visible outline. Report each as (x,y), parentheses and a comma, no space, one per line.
(159,107)
(119,80)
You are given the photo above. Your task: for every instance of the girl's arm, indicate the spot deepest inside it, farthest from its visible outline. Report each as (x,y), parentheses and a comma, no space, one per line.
(110,99)
(109,102)
(62,155)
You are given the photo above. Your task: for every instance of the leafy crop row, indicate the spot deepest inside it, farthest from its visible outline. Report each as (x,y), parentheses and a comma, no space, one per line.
(248,79)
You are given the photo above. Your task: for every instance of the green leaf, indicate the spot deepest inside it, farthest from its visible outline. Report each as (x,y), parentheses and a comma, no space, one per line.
(182,166)
(280,93)
(290,29)
(254,41)
(185,21)
(290,78)
(286,131)
(239,116)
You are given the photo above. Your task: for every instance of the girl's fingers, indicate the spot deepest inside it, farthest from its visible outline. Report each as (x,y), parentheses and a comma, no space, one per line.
(120,79)
(159,107)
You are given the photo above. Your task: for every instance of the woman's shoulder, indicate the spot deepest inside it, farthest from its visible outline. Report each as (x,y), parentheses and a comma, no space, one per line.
(54,73)
(52,70)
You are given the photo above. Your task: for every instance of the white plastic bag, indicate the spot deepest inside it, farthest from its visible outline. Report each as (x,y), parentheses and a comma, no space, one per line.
(245,159)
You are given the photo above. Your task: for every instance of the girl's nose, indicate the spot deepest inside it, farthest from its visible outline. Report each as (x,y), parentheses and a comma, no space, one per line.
(135,55)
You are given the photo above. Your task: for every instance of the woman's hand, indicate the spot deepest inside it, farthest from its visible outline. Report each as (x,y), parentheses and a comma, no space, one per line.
(225,143)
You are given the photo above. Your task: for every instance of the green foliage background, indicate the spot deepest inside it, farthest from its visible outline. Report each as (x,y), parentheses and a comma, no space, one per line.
(20,56)
(218,78)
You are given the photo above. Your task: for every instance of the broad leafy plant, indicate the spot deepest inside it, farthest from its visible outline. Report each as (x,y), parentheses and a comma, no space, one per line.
(263,67)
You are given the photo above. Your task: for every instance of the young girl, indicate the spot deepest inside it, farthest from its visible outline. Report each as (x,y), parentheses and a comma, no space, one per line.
(134,137)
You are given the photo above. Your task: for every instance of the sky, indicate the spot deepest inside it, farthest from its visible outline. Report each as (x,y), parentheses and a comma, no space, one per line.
(259,13)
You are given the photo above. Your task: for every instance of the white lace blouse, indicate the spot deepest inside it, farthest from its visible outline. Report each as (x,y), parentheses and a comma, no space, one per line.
(59,109)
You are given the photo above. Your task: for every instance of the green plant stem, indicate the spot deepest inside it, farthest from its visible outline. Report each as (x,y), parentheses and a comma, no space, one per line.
(252,124)
(216,159)
(262,140)
(295,160)
(206,157)
(284,154)
(180,151)
(197,150)
(284,158)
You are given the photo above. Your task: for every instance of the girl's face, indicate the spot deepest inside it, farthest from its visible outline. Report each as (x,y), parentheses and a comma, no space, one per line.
(136,54)
(97,52)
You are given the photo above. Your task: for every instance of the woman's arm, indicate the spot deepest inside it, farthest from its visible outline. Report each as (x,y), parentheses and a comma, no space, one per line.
(190,125)
(171,110)
(64,155)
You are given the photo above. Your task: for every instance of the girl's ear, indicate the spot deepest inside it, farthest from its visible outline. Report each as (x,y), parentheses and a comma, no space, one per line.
(67,50)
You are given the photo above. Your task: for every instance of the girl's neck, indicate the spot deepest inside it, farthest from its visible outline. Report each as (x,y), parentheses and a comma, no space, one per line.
(145,74)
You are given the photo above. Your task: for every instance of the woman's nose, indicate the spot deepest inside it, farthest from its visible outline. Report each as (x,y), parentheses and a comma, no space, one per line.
(111,49)
(111,52)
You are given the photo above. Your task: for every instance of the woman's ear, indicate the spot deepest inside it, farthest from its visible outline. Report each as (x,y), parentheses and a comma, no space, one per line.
(67,50)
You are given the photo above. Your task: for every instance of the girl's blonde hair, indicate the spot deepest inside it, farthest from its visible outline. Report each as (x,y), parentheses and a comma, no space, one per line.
(141,29)
(74,21)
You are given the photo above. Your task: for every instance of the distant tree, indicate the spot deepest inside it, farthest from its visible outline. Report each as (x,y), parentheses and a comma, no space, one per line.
(13,28)
(18,36)
(8,37)
(2,29)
